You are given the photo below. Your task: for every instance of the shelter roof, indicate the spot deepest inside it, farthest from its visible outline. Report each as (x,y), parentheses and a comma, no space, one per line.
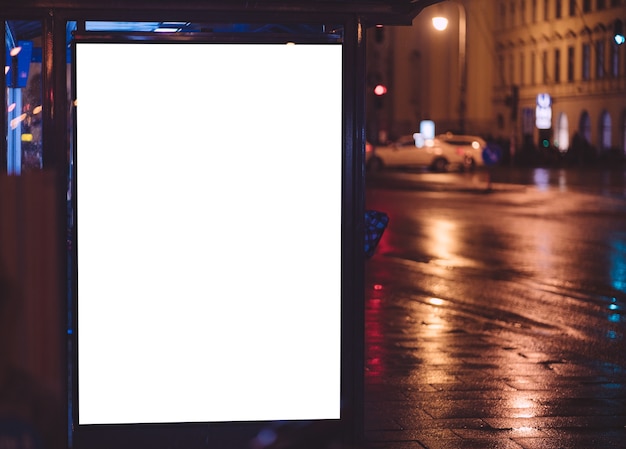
(384,12)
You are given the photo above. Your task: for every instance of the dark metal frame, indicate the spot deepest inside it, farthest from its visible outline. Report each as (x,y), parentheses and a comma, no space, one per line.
(352,346)
(384,12)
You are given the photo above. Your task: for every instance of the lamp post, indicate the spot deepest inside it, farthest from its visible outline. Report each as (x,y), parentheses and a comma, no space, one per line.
(440,24)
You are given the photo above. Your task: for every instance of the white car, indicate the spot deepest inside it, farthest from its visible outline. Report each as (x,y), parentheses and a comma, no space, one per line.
(471,147)
(440,154)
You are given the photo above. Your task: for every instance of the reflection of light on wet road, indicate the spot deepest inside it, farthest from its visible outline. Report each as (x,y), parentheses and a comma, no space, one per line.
(612,335)
(432,332)
(433,323)
(618,281)
(522,403)
(436,301)
(618,262)
(523,408)
(541,178)
(433,326)
(614,317)
(374,334)
(443,241)
(562,180)
(543,249)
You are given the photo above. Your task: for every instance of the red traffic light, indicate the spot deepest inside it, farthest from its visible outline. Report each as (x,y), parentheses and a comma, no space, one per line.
(380,90)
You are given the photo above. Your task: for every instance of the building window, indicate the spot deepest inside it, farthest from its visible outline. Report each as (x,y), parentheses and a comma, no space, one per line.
(544,67)
(614,60)
(600,4)
(605,130)
(522,11)
(502,15)
(616,3)
(600,59)
(570,64)
(533,68)
(586,72)
(522,68)
(572,8)
(546,10)
(501,70)
(586,6)
(557,65)
(584,126)
(558,9)
(511,74)
(533,11)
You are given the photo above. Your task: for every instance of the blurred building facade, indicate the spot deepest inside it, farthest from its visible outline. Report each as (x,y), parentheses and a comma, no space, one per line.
(542,73)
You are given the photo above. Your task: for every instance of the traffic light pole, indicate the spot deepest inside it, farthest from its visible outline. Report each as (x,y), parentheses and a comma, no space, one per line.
(462,65)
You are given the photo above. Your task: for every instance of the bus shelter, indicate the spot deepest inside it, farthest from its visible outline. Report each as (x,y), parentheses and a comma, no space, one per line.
(183,192)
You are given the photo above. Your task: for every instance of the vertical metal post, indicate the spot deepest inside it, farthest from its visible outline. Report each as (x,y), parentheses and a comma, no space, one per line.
(55,160)
(49,142)
(353,222)
(440,24)
(3,101)
(462,65)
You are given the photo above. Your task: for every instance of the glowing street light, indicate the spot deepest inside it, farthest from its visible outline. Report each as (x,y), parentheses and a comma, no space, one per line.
(440,24)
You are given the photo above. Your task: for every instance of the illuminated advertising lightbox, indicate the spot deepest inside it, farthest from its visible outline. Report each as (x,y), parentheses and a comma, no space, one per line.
(208,204)
(427,129)
(543,111)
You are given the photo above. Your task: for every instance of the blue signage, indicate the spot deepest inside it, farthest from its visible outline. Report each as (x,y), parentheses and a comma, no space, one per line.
(492,154)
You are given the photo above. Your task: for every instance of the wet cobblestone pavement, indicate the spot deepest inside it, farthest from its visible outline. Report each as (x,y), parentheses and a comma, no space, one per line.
(465,351)
(462,388)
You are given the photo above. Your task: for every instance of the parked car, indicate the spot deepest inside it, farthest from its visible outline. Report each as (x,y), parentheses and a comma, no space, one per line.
(441,154)
(471,147)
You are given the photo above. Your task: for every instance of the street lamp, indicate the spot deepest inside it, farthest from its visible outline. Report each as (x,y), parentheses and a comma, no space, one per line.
(440,24)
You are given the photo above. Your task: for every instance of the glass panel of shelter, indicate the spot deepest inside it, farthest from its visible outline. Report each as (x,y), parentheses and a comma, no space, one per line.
(23,84)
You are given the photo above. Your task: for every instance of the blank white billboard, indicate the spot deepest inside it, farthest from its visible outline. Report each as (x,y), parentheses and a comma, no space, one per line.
(208,201)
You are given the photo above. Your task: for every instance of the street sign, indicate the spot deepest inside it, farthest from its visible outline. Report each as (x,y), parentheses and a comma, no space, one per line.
(492,154)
